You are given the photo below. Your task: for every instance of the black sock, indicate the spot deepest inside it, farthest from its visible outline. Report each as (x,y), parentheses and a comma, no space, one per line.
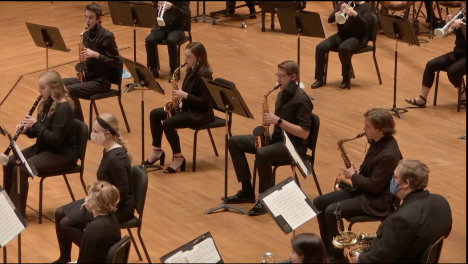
(247,187)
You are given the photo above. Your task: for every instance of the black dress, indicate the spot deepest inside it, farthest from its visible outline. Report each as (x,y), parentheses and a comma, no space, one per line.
(101,234)
(115,168)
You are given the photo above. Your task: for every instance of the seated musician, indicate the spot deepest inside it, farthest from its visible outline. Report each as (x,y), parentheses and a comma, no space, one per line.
(351,36)
(307,248)
(175,15)
(101,55)
(196,108)
(369,194)
(115,167)
(231,7)
(293,114)
(420,220)
(453,62)
(54,129)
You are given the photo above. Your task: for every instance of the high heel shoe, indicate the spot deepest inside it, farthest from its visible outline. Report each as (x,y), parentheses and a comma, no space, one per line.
(172,170)
(161,160)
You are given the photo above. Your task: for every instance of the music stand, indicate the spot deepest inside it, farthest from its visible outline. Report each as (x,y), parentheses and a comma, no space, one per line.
(143,78)
(47,37)
(399,29)
(203,16)
(133,15)
(229,100)
(294,23)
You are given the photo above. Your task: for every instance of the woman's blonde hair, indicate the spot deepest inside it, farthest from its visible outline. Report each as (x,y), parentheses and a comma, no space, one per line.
(102,196)
(57,91)
(114,124)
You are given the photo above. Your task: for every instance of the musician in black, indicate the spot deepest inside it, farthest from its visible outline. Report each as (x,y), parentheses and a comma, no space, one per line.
(351,36)
(453,62)
(370,191)
(292,113)
(176,14)
(307,248)
(54,129)
(231,7)
(196,108)
(101,55)
(71,220)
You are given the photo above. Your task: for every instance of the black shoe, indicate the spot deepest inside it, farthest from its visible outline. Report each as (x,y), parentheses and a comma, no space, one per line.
(317,84)
(161,159)
(258,209)
(154,72)
(344,83)
(172,170)
(240,197)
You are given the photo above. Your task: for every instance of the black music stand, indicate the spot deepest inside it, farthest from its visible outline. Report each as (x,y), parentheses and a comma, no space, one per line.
(143,78)
(229,100)
(203,16)
(133,15)
(295,23)
(214,14)
(47,37)
(399,29)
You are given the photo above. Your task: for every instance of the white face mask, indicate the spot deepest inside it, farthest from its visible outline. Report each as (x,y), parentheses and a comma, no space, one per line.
(98,138)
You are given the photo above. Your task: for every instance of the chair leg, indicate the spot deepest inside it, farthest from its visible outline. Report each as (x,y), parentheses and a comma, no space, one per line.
(350,226)
(436,88)
(134,244)
(316,182)
(461,89)
(40,199)
(82,182)
(296,179)
(254,180)
(69,188)
(90,119)
(326,68)
(213,143)
(95,108)
(123,113)
(273,180)
(143,245)
(194,162)
(377,67)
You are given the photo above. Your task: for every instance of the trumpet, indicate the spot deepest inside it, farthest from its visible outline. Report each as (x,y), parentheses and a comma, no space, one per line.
(342,17)
(447,29)
(161,9)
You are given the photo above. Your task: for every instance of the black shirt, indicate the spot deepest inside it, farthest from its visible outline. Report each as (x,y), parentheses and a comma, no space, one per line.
(355,26)
(460,44)
(294,106)
(176,16)
(100,235)
(56,133)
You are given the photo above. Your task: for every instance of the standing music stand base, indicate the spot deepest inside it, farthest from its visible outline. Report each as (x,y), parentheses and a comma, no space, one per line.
(462,136)
(397,111)
(201,17)
(226,207)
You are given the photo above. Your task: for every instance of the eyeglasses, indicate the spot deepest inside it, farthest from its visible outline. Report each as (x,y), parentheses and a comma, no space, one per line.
(281,75)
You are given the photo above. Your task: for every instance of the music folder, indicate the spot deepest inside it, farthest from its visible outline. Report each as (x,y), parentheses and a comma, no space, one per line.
(18,154)
(304,167)
(200,250)
(11,221)
(288,205)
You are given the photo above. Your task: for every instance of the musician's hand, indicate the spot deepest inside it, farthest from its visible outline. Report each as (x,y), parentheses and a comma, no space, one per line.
(87,53)
(18,127)
(351,12)
(270,118)
(168,5)
(457,23)
(29,121)
(448,17)
(179,94)
(354,259)
(348,172)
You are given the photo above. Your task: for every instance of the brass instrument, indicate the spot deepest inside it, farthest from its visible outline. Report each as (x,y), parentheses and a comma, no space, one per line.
(161,10)
(340,183)
(80,67)
(269,258)
(262,133)
(173,107)
(347,239)
(447,29)
(4,155)
(342,17)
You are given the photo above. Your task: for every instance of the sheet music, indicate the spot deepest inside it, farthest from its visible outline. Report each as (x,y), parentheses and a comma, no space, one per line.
(26,164)
(203,252)
(289,145)
(10,225)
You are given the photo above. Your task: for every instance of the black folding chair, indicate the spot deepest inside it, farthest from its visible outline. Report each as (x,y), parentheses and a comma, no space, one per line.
(461,90)
(432,252)
(119,252)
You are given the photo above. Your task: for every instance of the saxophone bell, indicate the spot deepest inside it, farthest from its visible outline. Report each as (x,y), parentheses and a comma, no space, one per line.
(268,258)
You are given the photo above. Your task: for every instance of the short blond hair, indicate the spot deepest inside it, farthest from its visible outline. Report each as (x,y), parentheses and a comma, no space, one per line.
(102,196)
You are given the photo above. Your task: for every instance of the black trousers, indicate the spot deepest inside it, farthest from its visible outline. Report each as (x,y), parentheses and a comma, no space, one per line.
(456,68)
(344,46)
(350,204)
(44,162)
(169,126)
(172,37)
(264,157)
(231,6)
(84,90)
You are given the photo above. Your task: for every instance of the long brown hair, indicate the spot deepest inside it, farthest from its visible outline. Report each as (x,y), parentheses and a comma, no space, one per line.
(199,50)
(57,91)
(310,246)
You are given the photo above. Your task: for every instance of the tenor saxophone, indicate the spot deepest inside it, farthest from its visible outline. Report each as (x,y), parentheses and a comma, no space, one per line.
(340,183)
(262,133)
(173,107)
(80,67)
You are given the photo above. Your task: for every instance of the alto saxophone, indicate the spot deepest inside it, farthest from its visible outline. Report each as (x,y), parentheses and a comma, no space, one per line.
(340,183)
(80,67)
(348,239)
(174,105)
(262,133)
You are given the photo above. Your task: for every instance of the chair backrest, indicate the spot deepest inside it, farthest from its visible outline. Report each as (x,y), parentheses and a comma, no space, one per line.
(116,73)
(373,27)
(432,252)
(313,135)
(140,186)
(81,134)
(119,252)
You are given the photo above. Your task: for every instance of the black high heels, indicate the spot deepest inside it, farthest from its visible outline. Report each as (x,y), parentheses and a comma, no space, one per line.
(172,170)
(161,160)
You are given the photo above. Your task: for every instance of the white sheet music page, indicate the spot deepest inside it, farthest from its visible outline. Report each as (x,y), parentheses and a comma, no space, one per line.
(289,145)
(10,225)
(208,251)
(178,257)
(270,202)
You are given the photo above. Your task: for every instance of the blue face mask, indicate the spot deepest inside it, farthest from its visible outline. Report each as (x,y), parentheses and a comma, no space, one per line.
(393,187)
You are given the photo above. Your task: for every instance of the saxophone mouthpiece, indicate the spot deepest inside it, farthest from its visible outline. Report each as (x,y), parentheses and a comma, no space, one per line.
(183,64)
(276,86)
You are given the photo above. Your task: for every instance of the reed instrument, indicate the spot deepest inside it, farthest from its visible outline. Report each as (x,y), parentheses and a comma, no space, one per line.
(173,107)
(342,17)
(80,67)
(447,29)
(4,155)
(341,183)
(161,9)
(262,133)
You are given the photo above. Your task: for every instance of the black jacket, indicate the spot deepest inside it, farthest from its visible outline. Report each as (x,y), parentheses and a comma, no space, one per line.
(355,26)
(198,102)
(375,174)
(421,220)
(176,16)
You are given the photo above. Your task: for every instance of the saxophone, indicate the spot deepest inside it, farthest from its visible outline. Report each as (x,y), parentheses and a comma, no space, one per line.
(348,239)
(173,107)
(80,67)
(341,183)
(263,132)
(269,258)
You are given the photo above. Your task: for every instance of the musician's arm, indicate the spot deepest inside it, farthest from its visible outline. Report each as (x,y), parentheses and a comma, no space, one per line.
(363,20)
(204,100)
(30,133)
(379,178)
(295,130)
(303,110)
(183,11)
(331,18)
(63,118)
(118,173)
(110,54)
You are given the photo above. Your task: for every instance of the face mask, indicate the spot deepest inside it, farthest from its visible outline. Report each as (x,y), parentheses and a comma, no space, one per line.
(98,138)
(394,187)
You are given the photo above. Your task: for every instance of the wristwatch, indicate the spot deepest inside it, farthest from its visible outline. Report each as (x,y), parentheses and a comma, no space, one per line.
(279,121)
